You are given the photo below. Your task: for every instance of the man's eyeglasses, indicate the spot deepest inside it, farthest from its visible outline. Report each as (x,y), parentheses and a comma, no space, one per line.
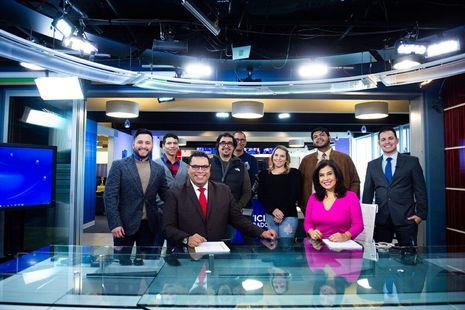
(200,167)
(223,143)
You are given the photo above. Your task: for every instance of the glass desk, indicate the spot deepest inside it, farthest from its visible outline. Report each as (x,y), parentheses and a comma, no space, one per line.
(269,275)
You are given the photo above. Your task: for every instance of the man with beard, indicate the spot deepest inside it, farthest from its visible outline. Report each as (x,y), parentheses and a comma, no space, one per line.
(250,162)
(130,199)
(228,169)
(321,140)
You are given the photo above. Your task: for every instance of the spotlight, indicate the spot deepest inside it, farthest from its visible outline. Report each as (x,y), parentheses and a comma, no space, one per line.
(312,70)
(198,70)
(444,47)
(407,61)
(80,44)
(364,129)
(64,26)
(407,48)
(349,133)
(127,124)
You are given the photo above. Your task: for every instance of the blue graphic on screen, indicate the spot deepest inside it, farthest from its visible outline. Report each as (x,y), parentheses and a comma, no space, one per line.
(26,176)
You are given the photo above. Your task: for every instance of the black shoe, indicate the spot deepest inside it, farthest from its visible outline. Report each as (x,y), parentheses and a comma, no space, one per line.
(138,261)
(125,262)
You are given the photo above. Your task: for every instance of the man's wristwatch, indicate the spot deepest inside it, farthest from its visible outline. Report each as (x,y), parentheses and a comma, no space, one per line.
(185,241)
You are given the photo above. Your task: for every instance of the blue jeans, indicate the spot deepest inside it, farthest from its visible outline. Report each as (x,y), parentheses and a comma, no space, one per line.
(287,227)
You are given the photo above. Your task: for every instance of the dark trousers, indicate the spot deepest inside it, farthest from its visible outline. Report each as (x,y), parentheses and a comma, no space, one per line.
(406,235)
(143,239)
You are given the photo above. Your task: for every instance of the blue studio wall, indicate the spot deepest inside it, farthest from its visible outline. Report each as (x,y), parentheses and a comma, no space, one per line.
(90,172)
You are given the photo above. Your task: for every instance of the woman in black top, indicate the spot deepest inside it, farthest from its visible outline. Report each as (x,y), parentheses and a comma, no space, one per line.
(278,190)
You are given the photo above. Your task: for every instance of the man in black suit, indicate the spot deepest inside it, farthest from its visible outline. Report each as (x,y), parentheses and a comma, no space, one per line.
(397,182)
(201,210)
(130,198)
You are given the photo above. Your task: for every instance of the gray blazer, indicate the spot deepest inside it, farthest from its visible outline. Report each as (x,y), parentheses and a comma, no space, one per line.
(181,176)
(124,198)
(404,197)
(179,180)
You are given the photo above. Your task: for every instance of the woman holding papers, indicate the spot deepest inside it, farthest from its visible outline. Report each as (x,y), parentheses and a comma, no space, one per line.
(332,211)
(278,190)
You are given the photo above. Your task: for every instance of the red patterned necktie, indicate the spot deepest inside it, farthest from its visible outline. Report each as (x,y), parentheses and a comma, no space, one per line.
(203,201)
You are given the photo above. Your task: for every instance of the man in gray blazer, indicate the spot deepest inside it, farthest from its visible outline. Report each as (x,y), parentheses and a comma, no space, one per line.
(175,173)
(130,199)
(398,185)
(201,210)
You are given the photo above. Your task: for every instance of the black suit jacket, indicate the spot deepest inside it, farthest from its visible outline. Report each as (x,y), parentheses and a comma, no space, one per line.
(182,216)
(404,197)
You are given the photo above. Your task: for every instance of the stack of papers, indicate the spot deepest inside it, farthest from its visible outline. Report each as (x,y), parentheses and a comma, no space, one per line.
(346,245)
(212,248)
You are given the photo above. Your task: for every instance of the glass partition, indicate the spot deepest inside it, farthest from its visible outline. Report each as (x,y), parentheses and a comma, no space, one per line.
(280,274)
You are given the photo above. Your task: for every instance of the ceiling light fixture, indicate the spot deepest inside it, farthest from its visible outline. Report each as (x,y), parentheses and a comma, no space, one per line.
(30,66)
(182,142)
(284,115)
(407,61)
(122,109)
(371,110)
(312,70)
(212,27)
(222,115)
(59,88)
(247,109)
(42,118)
(407,48)
(296,143)
(444,47)
(64,26)
(80,44)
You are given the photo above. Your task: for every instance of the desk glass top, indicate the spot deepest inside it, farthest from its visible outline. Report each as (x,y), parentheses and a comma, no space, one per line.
(281,274)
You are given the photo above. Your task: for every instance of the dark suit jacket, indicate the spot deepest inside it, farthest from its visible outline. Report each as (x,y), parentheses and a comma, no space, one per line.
(182,216)
(124,198)
(404,197)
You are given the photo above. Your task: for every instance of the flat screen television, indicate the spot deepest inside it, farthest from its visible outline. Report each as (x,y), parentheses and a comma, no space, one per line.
(27,176)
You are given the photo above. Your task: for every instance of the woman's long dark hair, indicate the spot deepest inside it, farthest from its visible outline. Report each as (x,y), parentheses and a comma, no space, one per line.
(320,193)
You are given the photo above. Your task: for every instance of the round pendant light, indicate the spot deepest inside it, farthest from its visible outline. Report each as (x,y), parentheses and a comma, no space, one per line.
(371,110)
(247,109)
(122,109)
(296,143)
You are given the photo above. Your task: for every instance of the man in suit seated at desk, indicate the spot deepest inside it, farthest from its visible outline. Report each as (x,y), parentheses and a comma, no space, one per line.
(201,210)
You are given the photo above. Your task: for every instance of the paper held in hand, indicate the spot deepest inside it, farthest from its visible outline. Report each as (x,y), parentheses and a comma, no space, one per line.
(346,245)
(215,247)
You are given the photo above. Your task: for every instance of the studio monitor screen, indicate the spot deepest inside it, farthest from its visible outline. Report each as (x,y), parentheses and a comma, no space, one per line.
(27,176)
